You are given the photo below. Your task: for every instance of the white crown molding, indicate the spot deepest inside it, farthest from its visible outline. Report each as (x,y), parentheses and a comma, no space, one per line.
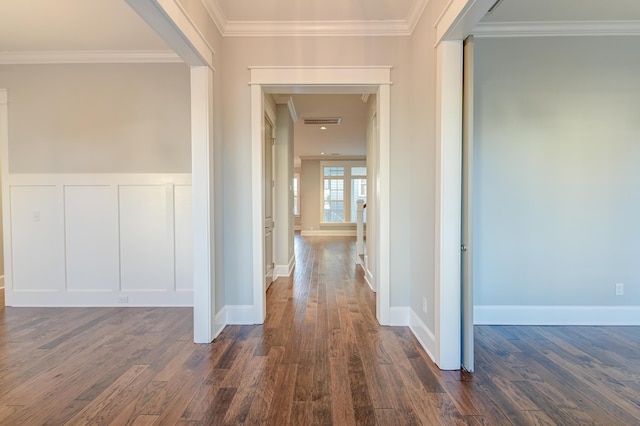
(216,14)
(292,110)
(560,28)
(88,57)
(315,28)
(417,9)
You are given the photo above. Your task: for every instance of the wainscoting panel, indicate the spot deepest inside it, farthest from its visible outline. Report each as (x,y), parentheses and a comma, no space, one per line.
(99,240)
(146,234)
(37,233)
(91,234)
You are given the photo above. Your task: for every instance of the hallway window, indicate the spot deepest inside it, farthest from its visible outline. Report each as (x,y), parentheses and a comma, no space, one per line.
(333,194)
(343,184)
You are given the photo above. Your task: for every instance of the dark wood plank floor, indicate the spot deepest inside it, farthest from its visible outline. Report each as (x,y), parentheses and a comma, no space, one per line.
(320,358)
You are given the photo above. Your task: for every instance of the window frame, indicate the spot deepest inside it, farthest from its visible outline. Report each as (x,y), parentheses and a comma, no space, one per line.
(347,184)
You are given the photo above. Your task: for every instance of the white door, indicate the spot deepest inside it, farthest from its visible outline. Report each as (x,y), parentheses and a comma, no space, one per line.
(268,203)
(467,213)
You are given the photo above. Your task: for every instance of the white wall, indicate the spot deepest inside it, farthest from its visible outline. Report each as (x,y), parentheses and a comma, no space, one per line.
(556,175)
(98,185)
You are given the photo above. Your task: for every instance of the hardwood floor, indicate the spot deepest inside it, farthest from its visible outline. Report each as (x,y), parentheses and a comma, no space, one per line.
(320,358)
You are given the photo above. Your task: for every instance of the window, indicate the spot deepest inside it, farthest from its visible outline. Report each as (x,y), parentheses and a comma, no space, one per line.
(296,194)
(343,184)
(333,194)
(358,191)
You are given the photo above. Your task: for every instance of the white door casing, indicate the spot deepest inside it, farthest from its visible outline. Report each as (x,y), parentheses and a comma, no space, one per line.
(325,80)
(268,202)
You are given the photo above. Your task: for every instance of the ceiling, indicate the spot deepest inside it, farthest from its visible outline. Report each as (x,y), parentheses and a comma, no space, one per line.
(346,139)
(73,25)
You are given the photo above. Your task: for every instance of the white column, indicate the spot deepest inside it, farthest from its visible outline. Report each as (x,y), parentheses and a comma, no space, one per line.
(448,205)
(204,327)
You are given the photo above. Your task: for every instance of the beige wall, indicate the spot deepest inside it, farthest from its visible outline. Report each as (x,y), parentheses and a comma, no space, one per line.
(99,118)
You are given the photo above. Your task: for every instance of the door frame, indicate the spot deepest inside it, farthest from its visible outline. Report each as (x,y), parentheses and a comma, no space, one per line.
(269,117)
(322,80)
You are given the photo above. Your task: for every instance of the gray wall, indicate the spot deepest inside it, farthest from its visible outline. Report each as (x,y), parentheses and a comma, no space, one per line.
(556,171)
(283,191)
(98,118)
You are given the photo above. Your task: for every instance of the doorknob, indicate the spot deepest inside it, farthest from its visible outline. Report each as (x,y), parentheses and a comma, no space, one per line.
(463,247)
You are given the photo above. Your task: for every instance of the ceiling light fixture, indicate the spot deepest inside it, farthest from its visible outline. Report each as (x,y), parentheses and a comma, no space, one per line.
(323,128)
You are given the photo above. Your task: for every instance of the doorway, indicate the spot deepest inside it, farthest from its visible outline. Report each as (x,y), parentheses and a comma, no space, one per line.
(312,80)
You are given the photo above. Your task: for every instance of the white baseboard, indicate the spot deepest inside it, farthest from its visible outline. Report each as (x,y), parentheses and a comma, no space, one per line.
(399,316)
(221,322)
(160,299)
(425,336)
(556,315)
(240,314)
(328,233)
(285,270)
(366,275)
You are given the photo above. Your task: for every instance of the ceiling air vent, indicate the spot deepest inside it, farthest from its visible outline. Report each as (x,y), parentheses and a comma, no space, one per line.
(323,121)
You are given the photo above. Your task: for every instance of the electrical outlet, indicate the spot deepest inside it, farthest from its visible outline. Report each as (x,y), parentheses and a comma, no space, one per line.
(123,299)
(425,305)
(619,289)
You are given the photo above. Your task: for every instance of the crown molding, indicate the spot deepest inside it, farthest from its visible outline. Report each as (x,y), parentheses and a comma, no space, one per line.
(315,28)
(417,9)
(216,14)
(89,57)
(560,28)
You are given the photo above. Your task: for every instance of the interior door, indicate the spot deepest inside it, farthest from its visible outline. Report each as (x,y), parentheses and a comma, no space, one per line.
(268,203)
(467,213)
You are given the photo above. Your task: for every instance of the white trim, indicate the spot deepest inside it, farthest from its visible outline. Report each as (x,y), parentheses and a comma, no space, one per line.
(285,270)
(1,281)
(317,76)
(559,28)
(203,233)
(365,274)
(448,196)
(221,322)
(556,315)
(335,80)
(292,110)
(241,315)
(399,316)
(89,57)
(459,17)
(400,27)
(424,335)
(6,197)
(328,233)
(83,299)
(169,21)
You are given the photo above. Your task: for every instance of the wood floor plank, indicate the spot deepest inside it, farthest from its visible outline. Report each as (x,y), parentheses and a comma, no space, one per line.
(320,358)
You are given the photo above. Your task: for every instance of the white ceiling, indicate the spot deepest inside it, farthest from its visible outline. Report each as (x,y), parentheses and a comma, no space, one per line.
(73,25)
(346,139)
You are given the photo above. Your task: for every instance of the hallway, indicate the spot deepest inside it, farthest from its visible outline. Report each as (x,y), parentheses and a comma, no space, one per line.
(320,358)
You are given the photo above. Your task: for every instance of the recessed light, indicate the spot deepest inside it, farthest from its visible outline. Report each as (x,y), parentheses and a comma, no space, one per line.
(322,153)
(323,128)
